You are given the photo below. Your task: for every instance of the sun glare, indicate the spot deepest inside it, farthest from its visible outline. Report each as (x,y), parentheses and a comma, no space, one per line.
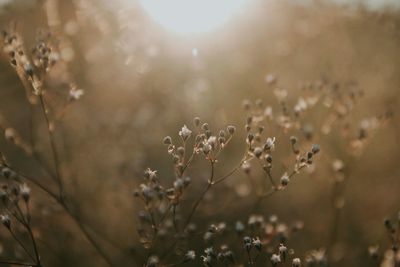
(192,16)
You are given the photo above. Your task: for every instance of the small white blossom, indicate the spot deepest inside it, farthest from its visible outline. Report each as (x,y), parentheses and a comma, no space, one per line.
(296,262)
(275,259)
(5,220)
(185,133)
(25,191)
(190,256)
(75,94)
(270,144)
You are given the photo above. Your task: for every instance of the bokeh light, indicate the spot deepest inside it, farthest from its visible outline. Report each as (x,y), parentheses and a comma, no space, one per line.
(192,16)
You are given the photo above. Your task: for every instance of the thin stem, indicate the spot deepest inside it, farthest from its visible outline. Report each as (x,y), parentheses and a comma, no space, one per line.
(87,235)
(188,161)
(221,179)
(39,185)
(197,203)
(29,230)
(270,178)
(35,247)
(52,145)
(174,218)
(35,154)
(71,214)
(249,257)
(22,245)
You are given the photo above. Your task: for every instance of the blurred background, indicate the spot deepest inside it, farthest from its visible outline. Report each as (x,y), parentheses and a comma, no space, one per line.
(148,67)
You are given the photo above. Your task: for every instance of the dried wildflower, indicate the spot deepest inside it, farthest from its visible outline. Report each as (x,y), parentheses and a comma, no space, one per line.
(293,140)
(317,257)
(296,262)
(196,122)
(246,104)
(283,252)
(208,257)
(25,192)
(373,252)
(206,148)
(273,219)
(246,167)
(205,127)
(189,256)
(5,220)
(75,94)
(275,259)
(269,144)
(285,179)
(315,149)
(7,172)
(150,175)
(185,133)
(231,129)
(337,165)
(167,140)
(247,243)
(153,261)
(257,243)
(239,227)
(258,152)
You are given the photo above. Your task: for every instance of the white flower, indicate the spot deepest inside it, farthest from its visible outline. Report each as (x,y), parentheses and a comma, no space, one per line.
(296,262)
(275,259)
(185,133)
(270,144)
(212,141)
(75,94)
(206,148)
(190,255)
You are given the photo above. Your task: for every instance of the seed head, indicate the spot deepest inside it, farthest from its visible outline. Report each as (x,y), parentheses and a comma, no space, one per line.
(315,148)
(285,179)
(293,140)
(258,152)
(25,192)
(231,129)
(250,138)
(167,140)
(6,172)
(196,121)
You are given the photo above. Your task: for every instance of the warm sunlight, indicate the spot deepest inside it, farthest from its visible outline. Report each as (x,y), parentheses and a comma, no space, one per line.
(192,16)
